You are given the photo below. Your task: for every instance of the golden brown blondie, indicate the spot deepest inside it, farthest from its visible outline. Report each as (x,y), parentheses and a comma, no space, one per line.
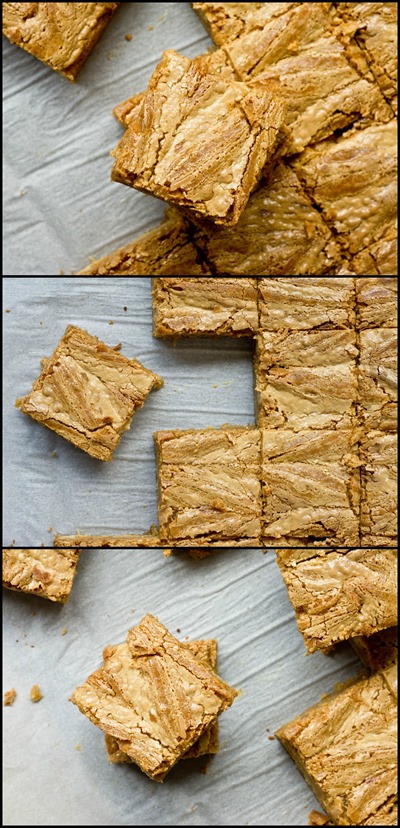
(43,572)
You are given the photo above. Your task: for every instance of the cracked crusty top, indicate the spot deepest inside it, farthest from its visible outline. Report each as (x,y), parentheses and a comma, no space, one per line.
(339,594)
(200,140)
(223,306)
(44,572)
(154,697)
(59,34)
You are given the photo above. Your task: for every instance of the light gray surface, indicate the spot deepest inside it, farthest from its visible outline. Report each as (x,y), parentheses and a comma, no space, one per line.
(60,206)
(208,382)
(56,771)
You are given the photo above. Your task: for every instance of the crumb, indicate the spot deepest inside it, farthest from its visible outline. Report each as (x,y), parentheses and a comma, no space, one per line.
(8,310)
(204,769)
(316,818)
(78,747)
(22,193)
(50,529)
(128,36)
(150,28)
(110,322)
(40,323)
(161,18)
(35,694)
(64,631)
(53,454)
(125,308)
(271,738)
(215,386)
(61,273)
(116,347)
(178,629)
(9,697)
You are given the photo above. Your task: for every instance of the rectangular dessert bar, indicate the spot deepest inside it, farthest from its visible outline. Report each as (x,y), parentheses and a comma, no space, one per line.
(209,486)
(182,307)
(379,494)
(311,487)
(62,35)
(306,304)
(149,541)
(170,149)
(43,572)
(154,697)
(346,748)
(376,302)
(306,379)
(378,378)
(206,651)
(167,249)
(338,594)
(88,393)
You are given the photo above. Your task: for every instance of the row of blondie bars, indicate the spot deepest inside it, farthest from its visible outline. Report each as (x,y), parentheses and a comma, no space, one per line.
(158,700)
(321,466)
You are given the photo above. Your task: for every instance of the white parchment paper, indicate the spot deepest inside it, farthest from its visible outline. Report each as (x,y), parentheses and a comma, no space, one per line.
(60,206)
(55,766)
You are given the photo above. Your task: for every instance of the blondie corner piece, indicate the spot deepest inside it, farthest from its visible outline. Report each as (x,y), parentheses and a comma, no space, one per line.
(199,140)
(209,486)
(337,594)
(378,651)
(377,302)
(164,249)
(43,572)
(88,393)
(62,35)
(206,651)
(183,307)
(154,697)
(346,748)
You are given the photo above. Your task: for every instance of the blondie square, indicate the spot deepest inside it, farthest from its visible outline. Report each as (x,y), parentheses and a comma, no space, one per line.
(43,572)
(378,378)
(154,697)
(165,249)
(88,393)
(206,651)
(311,488)
(353,181)
(62,35)
(346,748)
(379,489)
(306,304)
(377,651)
(205,306)
(376,302)
(209,485)
(379,258)
(337,594)
(280,232)
(306,379)
(199,141)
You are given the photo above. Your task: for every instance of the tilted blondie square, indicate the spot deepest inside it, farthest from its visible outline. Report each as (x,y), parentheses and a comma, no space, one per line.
(376,302)
(311,487)
(199,140)
(346,748)
(154,697)
(167,249)
(279,232)
(62,35)
(209,486)
(378,378)
(306,379)
(88,393)
(206,651)
(379,494)
(182,307)
(43,572)
(337,594)
(378,651)
(306,304)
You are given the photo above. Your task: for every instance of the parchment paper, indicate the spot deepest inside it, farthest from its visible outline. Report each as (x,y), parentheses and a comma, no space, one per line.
(60,205)
(55,766)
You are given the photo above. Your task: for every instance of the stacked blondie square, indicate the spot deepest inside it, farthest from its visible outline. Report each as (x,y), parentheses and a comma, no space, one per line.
(277,150)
